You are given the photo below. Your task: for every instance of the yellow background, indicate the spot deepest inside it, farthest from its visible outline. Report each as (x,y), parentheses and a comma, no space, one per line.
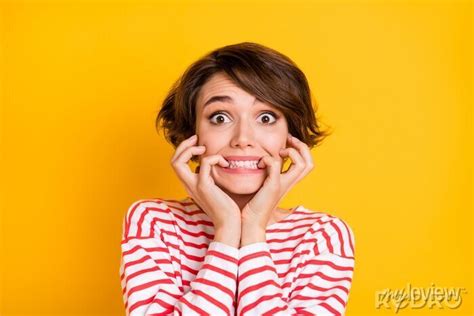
(81,83)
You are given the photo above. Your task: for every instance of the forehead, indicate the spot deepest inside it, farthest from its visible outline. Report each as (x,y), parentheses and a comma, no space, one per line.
(219,83)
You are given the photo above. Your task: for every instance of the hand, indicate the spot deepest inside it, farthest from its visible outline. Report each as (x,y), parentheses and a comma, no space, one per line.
(223,211)
(257,213)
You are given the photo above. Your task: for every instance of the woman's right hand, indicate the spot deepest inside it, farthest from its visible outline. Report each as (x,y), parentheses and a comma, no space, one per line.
(223,211)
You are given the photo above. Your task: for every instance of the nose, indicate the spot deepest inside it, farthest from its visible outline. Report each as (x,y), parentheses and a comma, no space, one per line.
(243,135)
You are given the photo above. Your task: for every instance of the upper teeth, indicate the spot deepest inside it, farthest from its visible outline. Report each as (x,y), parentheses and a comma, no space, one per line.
(249,164)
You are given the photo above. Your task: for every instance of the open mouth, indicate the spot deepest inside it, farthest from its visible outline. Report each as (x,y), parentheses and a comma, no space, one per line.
(247,164)
(243,166)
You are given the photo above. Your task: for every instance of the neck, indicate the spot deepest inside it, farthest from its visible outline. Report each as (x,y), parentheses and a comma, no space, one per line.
(240,199)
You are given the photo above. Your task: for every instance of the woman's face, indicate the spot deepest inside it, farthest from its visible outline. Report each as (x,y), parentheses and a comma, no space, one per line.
(232,123)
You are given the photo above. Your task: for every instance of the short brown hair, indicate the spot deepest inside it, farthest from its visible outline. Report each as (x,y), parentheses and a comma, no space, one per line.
(261,71)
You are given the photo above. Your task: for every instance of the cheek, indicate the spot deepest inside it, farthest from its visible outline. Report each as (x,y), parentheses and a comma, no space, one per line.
(214,136)
(273,139)
(213,142)
(205,137)
(273,145)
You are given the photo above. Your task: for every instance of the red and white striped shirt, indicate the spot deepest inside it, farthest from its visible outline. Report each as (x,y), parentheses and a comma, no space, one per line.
(170,264)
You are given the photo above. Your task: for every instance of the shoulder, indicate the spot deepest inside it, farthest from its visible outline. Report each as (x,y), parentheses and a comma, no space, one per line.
(143,214)
(331,234)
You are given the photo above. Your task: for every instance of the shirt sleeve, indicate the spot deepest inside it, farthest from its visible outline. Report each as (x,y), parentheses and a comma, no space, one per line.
(322,278)
(151,277)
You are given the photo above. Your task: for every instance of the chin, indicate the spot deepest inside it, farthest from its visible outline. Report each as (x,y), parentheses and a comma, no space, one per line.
(240,187)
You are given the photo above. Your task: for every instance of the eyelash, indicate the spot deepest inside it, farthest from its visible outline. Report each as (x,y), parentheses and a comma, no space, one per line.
(223,113)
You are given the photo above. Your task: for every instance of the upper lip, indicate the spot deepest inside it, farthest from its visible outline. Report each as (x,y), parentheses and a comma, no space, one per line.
(242,158)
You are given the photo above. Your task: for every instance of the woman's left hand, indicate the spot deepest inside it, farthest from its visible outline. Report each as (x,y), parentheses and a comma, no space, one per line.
(258,211)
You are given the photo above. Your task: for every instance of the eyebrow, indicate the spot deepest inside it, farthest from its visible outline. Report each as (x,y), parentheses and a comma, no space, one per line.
(223,98)
(219,98)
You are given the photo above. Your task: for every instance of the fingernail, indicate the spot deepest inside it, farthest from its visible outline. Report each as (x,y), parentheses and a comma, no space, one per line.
(193,137)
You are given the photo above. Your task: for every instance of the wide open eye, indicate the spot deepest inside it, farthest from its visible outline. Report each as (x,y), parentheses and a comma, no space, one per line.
(267,117)
(218,118)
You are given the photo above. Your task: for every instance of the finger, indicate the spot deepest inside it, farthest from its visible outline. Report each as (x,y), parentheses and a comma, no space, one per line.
(303,149)
(183,145)
(181,163)
(297,162)
(206,164)
(273,168)
(297,171)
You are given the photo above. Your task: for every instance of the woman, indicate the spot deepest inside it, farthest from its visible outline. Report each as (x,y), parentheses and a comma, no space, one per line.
(227,249)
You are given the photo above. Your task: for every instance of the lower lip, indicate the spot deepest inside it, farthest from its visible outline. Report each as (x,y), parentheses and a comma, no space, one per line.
(242,170)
